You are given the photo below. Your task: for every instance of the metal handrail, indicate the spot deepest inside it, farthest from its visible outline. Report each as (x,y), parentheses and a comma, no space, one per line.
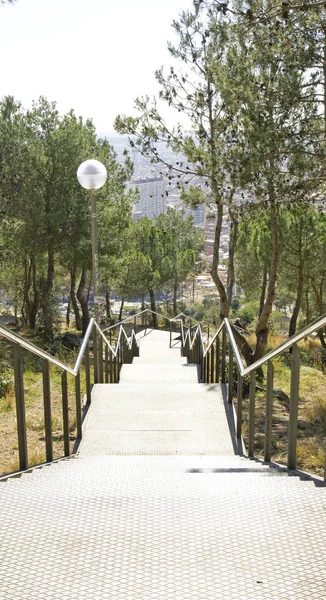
(131,317)
(314,326)
(297,337)
(234,345)
(17,339)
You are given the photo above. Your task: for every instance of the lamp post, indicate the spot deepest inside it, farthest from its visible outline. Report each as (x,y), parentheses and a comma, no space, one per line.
(92,176)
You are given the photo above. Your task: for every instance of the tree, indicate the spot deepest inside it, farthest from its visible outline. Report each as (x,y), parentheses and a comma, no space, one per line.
(40,151)
(182,246)
(242,90)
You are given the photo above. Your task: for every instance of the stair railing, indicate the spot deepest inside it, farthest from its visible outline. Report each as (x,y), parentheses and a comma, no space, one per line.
(147,311)
(219,358)
(108,370)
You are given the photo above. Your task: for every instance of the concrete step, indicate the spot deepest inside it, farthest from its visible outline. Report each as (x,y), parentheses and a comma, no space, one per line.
(178,418)
(159,373)
(163,360)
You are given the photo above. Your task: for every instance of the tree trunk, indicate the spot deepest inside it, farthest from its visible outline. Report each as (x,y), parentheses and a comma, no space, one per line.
(82,295)
(47,293)
(121,308)
(263,292)
(68,313)
(107,304)
(153,308)
(143,308)
(30,305)
(224,305)
(297,305)
(307,306)
(262,325)
(175,293)
(73,298)
(231,270)
(36,297)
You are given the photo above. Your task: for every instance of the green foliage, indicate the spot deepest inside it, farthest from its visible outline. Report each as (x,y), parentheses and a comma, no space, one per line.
(40,151)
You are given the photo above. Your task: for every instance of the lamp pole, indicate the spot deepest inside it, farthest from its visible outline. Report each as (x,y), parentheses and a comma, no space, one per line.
(92,176)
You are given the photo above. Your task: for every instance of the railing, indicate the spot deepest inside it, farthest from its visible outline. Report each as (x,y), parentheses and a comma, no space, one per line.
(144,315)
(107,367)
(217,360)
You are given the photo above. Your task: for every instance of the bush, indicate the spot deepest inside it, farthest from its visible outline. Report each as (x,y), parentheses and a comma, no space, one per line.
(5,386)
(246,315)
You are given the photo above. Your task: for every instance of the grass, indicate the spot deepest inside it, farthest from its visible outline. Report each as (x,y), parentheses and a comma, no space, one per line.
(33,391)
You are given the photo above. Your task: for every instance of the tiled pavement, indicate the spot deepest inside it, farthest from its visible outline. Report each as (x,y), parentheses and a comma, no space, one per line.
(151,527)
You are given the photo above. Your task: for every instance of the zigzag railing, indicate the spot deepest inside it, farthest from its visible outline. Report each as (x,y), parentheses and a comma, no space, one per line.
(110,349)
(217,361)
(107,367)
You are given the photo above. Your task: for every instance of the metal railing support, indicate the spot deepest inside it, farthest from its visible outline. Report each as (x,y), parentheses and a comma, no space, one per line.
(111,368)
(217,362)
(100,358)
(78,407)
(294,402)
(88,376)
(269,411)
(223,354)
(239,405)
(106,358)
(47,411)
(95,356)
(212,364)
(230,382)
(252,400)
(207,367)
(20,408)
(65,413)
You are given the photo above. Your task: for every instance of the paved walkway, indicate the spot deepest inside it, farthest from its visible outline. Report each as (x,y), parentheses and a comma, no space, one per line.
(160,527)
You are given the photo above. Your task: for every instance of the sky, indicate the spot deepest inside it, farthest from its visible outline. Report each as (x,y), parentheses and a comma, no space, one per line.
(95,56)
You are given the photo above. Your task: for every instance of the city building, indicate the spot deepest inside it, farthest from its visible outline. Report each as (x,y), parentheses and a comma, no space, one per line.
(151,202)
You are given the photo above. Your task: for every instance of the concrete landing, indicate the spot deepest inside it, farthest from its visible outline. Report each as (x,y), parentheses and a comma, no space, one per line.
(161,528)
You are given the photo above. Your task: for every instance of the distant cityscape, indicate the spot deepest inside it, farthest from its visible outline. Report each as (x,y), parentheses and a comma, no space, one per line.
(157,194)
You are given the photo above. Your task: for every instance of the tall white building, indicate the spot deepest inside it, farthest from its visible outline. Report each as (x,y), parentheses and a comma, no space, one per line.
(151,202)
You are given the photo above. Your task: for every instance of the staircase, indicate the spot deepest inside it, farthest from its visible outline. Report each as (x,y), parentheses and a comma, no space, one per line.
(159,505)
(158,408)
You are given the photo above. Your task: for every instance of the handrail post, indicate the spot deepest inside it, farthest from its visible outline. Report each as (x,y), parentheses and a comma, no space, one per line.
(100,358)
(115,360)
(106,352)
(239,405)
(65,413)
(223,354)
(95,356)
(20,408)
(88,376)
(212,364)
(230,386)
(294,402)
(252,400)
(269,411)
(78,406)
(171,335)
(47,411)
(111,367)
(217,362)
(208,358)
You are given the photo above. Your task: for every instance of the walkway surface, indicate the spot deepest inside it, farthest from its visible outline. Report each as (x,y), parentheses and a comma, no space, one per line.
(152,526)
